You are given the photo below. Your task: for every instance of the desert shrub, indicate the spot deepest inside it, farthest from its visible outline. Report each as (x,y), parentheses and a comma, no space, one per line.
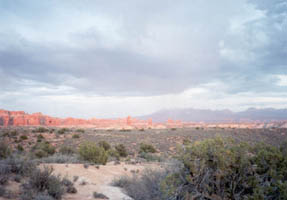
(44,181)
(147,148)
(97,195)
(59,158)
(121,182)
(20,148)
(105,145)
(80,130)
(76,136)
(43,149)
(143,187)
(149,157)
(91,152)
(67,150)
(222,169)
(40,153)
(40,130)
(114,154)
(63,131)
(125,130)
(23,137)
(5,150)
(18,166)
(121,149)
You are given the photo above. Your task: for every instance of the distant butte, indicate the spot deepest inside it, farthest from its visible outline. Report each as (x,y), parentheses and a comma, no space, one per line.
(20,118)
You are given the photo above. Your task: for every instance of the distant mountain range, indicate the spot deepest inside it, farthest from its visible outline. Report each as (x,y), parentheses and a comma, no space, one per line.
(205,115)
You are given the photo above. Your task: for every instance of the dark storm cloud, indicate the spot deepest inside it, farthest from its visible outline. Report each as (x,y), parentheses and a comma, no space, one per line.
(142,47)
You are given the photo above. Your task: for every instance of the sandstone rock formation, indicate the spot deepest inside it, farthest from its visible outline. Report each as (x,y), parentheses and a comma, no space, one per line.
(20,118)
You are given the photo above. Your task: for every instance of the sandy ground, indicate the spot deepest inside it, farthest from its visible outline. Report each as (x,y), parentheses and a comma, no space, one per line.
(97,180)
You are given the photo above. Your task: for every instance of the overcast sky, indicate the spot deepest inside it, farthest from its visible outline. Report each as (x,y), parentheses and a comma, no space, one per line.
(95,58)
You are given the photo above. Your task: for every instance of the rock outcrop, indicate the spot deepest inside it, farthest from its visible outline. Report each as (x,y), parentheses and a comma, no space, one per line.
(20,118)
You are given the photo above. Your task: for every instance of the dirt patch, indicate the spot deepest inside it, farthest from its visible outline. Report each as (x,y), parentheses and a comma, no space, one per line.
(93,179)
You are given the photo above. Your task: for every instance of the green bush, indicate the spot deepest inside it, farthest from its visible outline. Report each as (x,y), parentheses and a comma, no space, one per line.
(114,154)
(20,148)
(40,130)
(23,137)
(63,131)
(76,136)
(222,169)
(5,150)
(121,149)
(43,149)
(105,145)
(147,148)
(91,152)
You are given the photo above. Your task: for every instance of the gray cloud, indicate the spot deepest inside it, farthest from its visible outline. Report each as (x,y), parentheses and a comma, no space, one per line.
(142,47)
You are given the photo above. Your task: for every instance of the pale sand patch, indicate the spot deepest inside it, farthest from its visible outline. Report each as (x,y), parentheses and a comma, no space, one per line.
(97,180)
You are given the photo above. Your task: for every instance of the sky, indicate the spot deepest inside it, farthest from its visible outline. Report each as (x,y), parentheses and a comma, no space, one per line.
(94,58)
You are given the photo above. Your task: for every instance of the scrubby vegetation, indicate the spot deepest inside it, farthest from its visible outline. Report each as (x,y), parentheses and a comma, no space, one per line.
(92,152)
(36,183)
(5,150)
(105,145)
(218,169)
(40,130)
(147,148)
(43,149)
(121,149)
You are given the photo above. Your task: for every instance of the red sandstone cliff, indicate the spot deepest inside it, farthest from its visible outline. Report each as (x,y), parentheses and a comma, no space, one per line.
(20,118)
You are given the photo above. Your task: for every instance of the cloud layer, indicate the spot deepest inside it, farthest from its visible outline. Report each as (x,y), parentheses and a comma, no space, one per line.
(97,55)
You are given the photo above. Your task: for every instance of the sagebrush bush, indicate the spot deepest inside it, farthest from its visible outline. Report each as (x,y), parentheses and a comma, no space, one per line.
(76,136)
(146,148)
(114,154)
(121,149)
(217,169)
(146,186)
(67,150)
(40,130)
(223,169)
(44,181)
(23,137)
(104,144)
(5,150)
(92,152)
(63,131)
(43,149)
